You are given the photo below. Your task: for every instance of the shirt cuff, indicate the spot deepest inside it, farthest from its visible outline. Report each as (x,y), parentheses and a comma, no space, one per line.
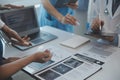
(1,23)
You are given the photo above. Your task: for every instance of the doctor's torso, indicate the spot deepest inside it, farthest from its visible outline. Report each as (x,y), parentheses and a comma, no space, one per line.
(111,21)
(103,8)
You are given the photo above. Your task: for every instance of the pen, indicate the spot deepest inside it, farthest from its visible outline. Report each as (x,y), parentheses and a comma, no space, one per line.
(77,23)
(100,27)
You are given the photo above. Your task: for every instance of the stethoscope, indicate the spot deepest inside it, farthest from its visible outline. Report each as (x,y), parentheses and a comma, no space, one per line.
(106,12)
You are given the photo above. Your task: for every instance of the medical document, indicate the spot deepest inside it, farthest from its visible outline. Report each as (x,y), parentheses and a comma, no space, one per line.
(58,54)
(75,66)
(98,51)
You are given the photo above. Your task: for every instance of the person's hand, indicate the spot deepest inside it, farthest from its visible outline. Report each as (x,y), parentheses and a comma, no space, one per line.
(108,38)
(96,29)
(96,25)
(72,5)
(23,42)
(68,19)
(42,56)
(10,6)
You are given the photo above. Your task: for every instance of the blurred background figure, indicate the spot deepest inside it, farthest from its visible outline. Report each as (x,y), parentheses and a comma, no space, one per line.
(60,17)
(104,19)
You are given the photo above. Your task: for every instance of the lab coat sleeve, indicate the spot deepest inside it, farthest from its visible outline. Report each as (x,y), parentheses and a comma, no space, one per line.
(93,12)
(118,40)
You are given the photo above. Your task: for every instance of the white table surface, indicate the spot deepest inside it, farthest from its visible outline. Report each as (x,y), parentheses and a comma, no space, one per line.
(110,70)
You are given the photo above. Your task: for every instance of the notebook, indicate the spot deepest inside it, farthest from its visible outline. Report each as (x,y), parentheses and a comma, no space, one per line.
(24,21)
(75,42)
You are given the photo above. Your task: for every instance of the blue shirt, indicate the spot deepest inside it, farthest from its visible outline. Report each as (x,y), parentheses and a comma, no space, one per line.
(46,19)
(1,52)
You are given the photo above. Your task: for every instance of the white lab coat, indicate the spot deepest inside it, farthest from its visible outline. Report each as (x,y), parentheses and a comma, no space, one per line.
(112,22)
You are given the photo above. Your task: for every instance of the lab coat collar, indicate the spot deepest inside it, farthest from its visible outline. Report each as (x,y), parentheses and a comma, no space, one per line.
(109,7)
(117,12)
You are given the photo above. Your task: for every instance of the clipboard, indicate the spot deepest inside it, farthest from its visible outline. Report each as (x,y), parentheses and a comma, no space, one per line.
(62,3)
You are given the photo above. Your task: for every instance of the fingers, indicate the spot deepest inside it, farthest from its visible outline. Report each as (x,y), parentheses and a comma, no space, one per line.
(26,41)
(102,23)
(26,38)
(96,24)
(13,6)
(23,43)
(95,27)
(69,19)
(46,56)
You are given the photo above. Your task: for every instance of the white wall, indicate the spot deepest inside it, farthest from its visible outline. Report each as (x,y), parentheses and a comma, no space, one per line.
(81,15)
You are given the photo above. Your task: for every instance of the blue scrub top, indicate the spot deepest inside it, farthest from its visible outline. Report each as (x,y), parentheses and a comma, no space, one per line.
(46,19)
(1,52)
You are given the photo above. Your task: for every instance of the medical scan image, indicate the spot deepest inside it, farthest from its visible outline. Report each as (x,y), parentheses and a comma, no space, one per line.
(73,62)
(49,75)
(61,68)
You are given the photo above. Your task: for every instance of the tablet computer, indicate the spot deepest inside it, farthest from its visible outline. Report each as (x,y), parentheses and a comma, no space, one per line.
(62,3)
(72,1)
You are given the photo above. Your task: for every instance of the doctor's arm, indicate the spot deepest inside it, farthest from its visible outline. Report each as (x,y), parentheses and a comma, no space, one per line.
(10,6)
(68,19)
(97,24)
(96,28)
(94,18)
(7,70)
(14,37)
